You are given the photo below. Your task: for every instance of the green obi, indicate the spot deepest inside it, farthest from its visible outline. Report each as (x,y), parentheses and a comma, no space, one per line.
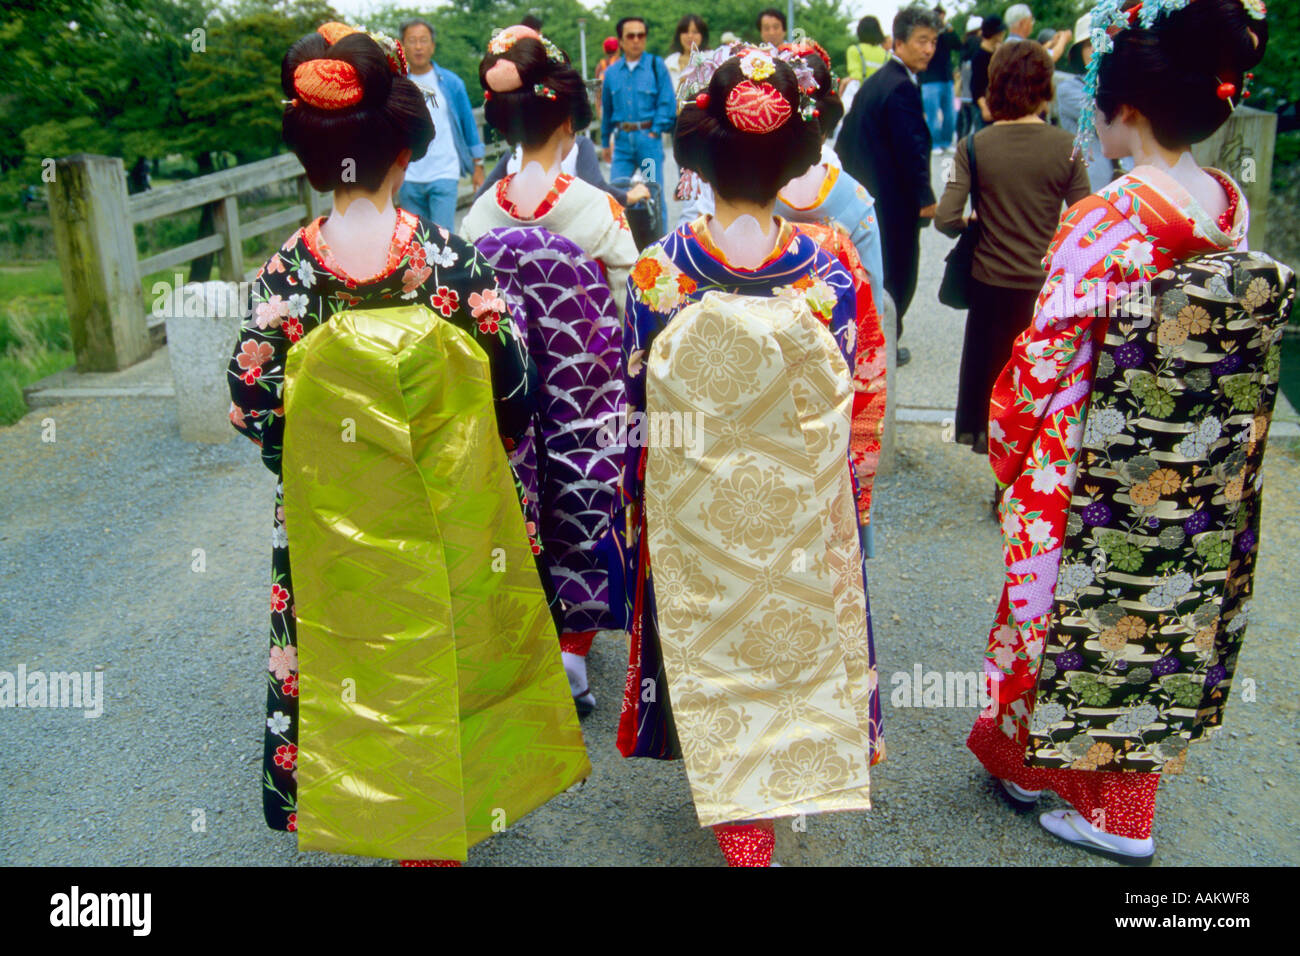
(434,709)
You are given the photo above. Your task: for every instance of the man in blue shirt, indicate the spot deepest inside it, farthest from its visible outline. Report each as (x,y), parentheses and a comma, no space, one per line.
(429,188)
(638,105)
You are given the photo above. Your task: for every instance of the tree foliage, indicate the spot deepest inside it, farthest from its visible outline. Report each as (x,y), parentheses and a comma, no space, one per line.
(127,77)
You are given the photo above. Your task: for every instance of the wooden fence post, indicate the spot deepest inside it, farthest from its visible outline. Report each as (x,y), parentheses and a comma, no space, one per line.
(225,223)
(1243,148)
(96,247)
(306,196)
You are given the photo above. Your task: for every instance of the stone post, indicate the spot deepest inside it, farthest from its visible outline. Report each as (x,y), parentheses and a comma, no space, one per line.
(203,321)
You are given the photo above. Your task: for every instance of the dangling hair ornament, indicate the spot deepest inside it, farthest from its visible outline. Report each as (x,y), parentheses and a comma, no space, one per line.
(393,51)
(503,39)
(1109,18)
(327,84)
(695,78)
(544,91)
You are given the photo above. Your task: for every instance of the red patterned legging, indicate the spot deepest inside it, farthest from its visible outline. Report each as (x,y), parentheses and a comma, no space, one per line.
(747,844)
(1122,804)
(431,863)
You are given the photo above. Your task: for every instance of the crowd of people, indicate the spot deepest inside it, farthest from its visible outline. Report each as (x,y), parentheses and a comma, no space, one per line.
(498,448)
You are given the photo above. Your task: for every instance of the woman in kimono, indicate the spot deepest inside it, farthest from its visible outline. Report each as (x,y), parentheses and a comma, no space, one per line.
(761,644)
(538,101)
(1164,213)
(313,345)
(826,201)
(826,193)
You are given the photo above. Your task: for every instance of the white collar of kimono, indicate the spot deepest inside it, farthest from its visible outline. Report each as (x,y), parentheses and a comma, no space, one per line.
(1205,224)
(568,165)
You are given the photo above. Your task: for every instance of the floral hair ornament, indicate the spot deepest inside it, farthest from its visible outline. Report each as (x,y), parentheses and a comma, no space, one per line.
(503,40)
(544,91)
(696,76)
(757,107)
(803,48)
(1109,19)
(757,65)
(327,84)
(393,52)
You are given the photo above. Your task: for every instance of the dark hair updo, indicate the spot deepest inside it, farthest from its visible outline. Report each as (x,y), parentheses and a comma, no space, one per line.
(363,139)
(522,116)
(741,165)
(1171,72)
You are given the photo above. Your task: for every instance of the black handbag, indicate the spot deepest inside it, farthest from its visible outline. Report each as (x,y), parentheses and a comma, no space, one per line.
(954,290)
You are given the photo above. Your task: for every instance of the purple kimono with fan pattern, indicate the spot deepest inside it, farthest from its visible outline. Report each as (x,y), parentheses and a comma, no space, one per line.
(569,460)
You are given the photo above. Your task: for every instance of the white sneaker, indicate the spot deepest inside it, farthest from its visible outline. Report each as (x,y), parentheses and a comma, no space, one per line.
(1071,827)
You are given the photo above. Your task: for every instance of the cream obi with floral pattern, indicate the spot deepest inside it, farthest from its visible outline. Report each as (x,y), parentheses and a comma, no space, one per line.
(755,558)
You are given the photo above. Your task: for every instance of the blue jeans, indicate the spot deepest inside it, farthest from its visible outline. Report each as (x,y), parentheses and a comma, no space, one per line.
(434,202)
(937,98)
(641,150)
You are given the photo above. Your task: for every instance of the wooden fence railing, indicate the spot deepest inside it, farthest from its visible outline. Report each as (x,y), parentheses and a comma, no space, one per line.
(94,223)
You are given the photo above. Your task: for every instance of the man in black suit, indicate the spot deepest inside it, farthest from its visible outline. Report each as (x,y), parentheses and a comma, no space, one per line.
(885,145)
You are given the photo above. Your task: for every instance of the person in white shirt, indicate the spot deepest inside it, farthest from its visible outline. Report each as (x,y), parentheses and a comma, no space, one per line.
(431,183)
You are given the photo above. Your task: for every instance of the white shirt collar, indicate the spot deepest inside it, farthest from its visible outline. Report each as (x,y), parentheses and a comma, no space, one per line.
(910,75)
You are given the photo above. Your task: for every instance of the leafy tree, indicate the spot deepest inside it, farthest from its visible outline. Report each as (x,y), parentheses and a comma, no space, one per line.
(91,76)
(231,94)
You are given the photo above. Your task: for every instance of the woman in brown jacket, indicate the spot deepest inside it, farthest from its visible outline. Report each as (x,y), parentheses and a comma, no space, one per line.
(1023,172)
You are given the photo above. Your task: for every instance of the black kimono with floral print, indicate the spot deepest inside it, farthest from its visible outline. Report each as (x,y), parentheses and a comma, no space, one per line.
(298,289)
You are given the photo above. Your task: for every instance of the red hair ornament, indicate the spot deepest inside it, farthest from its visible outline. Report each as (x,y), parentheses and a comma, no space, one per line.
(757,107)
(327,84)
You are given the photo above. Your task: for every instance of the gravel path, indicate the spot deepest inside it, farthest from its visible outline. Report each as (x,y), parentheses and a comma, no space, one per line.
(97,560)
(97,568)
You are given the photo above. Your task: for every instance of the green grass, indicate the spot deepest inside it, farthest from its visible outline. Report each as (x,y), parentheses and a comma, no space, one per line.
(37,278)
(34,335)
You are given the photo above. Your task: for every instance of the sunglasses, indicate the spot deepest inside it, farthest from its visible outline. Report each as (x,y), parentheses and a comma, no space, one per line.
(634,36)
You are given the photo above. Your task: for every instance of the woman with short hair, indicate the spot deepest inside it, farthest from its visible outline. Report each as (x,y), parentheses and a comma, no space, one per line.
(1024,173)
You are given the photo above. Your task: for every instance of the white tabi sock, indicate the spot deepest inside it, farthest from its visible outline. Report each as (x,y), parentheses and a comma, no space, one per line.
(1070,826)
(575,668)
